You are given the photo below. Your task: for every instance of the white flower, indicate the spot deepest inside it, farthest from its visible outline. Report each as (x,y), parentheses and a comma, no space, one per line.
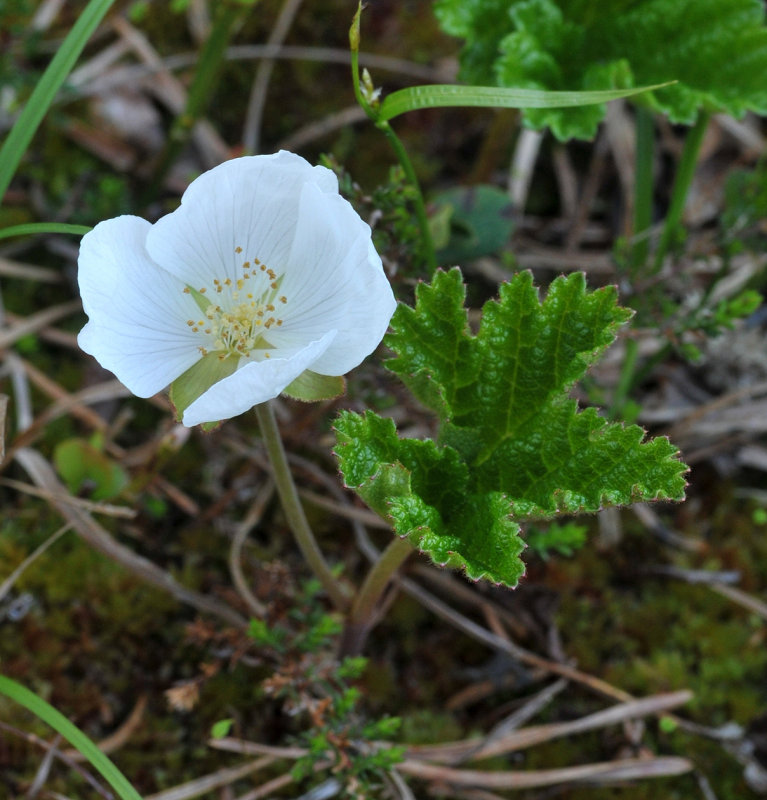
(264,271)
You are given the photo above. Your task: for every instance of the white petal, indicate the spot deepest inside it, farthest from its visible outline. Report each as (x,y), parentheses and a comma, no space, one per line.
(255,382)
(249,203)
(334,279)
(137,311)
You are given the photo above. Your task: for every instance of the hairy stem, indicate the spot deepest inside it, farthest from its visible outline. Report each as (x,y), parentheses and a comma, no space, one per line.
(294,511)
(418,202)
(684,175)
(363,613)
(370,108)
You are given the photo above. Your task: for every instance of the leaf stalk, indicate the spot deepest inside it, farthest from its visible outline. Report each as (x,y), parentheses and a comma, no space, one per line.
(363,614)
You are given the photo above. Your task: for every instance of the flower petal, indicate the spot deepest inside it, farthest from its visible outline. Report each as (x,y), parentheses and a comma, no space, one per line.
(137,311)
(249,203)
(255,382)
(334,279)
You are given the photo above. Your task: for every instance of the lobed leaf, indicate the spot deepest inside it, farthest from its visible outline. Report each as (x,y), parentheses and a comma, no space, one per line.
(716,50)
(512,444)
(423,489)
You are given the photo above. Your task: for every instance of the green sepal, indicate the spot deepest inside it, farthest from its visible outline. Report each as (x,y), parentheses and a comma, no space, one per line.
(311,386)
(210,369)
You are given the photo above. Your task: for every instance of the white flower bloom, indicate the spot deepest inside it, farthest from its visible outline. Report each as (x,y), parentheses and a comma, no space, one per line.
(264,271)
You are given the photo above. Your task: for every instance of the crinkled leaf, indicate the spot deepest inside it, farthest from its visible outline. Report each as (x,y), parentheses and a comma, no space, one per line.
(505,400)
(423,490)
(512,444)
(715,49)
(436,352)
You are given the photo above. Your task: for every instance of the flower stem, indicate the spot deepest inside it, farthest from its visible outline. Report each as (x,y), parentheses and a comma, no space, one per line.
(294,511)
(361,619)
(371,109)
(684,175)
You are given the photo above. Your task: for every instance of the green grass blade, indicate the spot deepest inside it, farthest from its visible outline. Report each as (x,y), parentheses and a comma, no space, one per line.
(38,104)
(32,228)
(72,734)
(444,95)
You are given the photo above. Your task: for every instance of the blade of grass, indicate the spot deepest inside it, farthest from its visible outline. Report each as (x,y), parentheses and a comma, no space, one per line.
(32,228)
(643,189)
(685,172)
(61,65)
(456,95)
(204,83)
(72,734)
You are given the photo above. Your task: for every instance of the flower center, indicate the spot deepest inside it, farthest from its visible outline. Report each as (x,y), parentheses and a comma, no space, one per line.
(238,315)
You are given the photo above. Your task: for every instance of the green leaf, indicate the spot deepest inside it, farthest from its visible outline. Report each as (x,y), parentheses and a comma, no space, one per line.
(34,228)
(433,343)
(24,128)
(310,387)
(512,444)
(210,369)
(72,734)
(457,96)
(561,539)
(479,223)
(80,463)
(716,51)
(221,728)
(424,491)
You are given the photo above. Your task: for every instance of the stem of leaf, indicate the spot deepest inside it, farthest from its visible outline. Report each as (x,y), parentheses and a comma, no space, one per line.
(394,141)
(684,175)
(200,91)
(362,616)
(643,186)
(294,511)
